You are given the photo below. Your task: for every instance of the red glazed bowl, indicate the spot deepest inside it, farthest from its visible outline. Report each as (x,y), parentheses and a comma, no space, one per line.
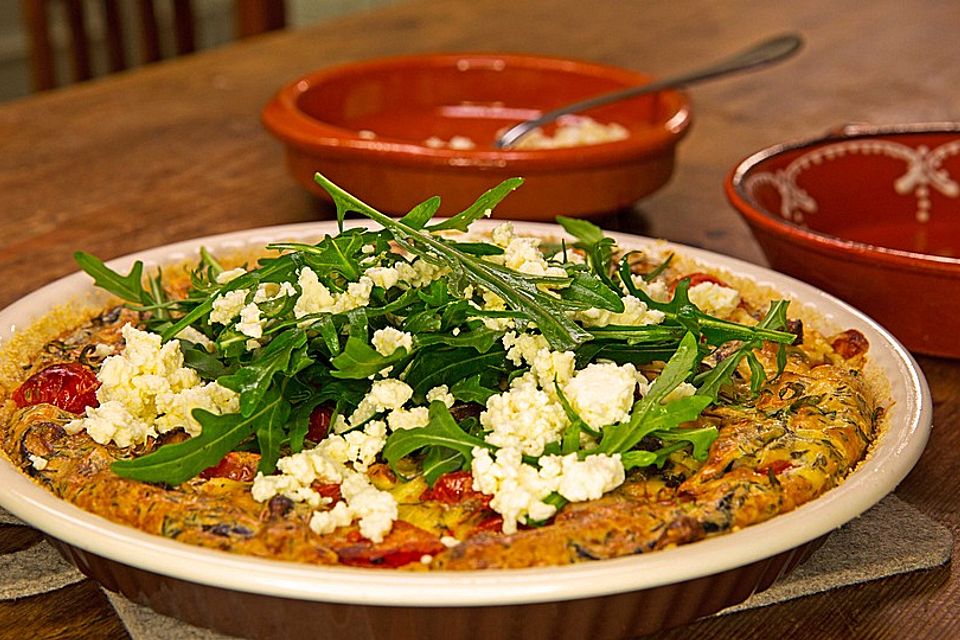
(325,117)
(870,214)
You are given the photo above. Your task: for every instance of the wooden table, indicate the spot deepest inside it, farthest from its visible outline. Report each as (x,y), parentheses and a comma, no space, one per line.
(176,151)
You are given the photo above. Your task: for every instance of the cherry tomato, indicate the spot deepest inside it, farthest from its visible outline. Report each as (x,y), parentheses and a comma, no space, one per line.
(850,343)
(236,465)
(454,487)
(68,385)
(328,490)
(699,278)
(492,524)
(319,422)
(404,544)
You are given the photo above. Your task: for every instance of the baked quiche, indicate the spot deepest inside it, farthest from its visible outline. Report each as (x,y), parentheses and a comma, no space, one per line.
(427,397)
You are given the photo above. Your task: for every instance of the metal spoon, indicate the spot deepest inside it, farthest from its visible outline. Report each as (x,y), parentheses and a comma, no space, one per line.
(766,52)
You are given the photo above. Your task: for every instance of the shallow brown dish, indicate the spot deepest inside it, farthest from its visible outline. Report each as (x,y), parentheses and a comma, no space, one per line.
(870,214)
(321,119)
(609,599)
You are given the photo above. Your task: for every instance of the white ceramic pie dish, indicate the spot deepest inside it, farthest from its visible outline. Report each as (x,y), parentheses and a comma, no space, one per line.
(87,538)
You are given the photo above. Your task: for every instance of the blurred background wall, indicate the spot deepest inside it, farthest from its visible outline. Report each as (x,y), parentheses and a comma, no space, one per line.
(215,27)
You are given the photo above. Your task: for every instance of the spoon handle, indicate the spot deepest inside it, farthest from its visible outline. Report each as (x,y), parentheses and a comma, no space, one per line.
(766,52)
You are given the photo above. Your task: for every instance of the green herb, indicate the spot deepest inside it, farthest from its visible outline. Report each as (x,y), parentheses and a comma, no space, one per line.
(441,431)
(520,291)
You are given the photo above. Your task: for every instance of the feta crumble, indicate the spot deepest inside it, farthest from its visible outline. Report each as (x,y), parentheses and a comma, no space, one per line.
(602,393)
(519,490)
(146,390)
(714,299)
(388,340)
(227,306)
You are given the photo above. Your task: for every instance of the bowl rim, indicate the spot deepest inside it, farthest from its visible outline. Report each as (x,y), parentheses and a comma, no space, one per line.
(734,187)
(282,117)
(891,458)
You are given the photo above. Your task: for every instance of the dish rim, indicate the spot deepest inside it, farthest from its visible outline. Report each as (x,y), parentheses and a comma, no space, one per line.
(283,117)
(893,456)
(734,185)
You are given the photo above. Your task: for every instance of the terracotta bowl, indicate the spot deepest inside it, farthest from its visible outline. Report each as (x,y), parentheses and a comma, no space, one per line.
(870,214)
(325,119)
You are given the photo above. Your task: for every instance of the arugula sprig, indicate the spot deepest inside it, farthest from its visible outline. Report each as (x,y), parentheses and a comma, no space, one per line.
(520,291)
(309,360)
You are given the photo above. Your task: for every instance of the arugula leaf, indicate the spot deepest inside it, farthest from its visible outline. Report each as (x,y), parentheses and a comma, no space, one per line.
(648,413)
(176,463)
(519,291)
(431,368)
(422,213)
(200,360)
(587,290)
(253,380)
(441,431)
(128,287)
(270,428)
(479,209)
(359,360)
(438,461)
(333,254)
(598,247)
(711,381)
(482,339)
(472,390)
(701,438)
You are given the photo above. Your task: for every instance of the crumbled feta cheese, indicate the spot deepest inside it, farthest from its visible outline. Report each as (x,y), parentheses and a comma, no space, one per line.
(383,277)
(328,463)
(323,522)
(426,558)
(383,395)
(547,366)
(714,299)
(656,289)
(502,234)
(101,350)
(519,489)
(523,347)
(176,409)
(38,462)
(315,297)
(250,325)
(227,306)
(408,418)
(111,421)
(441,393)
(524,417)
(146,390)
(268,291)
(226,276)
(362,447)
(375,510)
(587,479)
(635,313)
(602,393)
(522,253)
(389,339)
(419,273)
(189,334)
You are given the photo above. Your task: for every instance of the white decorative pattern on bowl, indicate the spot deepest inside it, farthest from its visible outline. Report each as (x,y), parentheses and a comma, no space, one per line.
(923,170)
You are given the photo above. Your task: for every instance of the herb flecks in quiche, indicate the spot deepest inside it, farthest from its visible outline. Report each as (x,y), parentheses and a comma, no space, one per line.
(424,396)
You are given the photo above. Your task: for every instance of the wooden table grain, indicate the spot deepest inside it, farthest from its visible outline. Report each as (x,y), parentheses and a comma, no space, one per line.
(176,151)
